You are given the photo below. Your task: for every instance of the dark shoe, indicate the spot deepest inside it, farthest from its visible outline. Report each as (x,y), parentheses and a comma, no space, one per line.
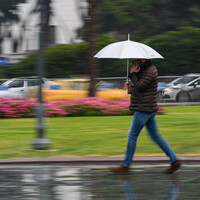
(174,166)
(121,169)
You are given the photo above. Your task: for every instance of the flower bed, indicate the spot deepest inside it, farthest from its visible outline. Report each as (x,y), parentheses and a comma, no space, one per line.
(91,106)
(15,108)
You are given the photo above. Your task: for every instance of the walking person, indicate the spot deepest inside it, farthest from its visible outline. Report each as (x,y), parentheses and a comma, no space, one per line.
(144,78)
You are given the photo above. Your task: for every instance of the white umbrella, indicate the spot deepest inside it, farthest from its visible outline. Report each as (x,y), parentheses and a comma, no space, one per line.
(128,49)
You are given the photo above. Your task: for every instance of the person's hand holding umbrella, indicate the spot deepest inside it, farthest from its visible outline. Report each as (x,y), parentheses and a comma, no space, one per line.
(127,86)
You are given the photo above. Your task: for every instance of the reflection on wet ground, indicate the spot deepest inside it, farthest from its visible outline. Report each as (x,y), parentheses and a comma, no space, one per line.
(81,183)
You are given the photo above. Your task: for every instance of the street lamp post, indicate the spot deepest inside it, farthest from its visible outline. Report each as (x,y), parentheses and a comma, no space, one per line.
(41,142)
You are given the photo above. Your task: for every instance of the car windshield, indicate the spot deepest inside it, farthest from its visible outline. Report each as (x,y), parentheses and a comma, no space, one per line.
(16,83)
(185,80)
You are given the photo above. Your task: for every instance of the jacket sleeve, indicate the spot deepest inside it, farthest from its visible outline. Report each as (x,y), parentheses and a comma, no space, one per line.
(142,83)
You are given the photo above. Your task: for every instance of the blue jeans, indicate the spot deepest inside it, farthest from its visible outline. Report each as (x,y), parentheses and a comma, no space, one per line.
(140,120)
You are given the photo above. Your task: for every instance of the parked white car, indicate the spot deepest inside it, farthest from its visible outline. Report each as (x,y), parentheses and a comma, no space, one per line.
(183,89)
(22,87)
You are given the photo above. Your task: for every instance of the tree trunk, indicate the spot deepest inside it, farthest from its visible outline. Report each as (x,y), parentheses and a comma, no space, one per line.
(92,46)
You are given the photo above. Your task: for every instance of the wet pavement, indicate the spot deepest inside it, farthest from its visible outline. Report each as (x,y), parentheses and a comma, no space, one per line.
(62,182)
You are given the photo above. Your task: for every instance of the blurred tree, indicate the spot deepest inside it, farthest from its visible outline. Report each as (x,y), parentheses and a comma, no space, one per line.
(62,61)
(180,48)
(179,13)
(145,18)
(7,16)
(122,17)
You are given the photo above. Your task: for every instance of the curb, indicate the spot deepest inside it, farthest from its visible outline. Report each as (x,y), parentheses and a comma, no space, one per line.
(147,160)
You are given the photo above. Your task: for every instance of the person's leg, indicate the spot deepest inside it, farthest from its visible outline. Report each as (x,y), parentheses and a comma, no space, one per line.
(151,126)
(138,122)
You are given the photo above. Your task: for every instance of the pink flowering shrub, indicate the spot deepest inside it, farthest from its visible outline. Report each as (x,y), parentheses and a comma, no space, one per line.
(91,106)
(10,107)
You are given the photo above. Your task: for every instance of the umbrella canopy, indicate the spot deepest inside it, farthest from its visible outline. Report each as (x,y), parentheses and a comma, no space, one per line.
(128,49)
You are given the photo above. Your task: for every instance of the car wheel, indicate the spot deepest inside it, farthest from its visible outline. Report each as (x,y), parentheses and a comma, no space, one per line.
(183,97)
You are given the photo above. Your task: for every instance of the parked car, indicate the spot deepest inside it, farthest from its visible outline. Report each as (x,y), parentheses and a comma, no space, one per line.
(22,87)
(183,89)
(160,89)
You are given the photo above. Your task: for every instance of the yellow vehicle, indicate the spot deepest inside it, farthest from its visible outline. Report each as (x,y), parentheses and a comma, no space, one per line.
(78,88)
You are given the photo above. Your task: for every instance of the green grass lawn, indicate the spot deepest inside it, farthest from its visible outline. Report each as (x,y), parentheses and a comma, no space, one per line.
(106,135)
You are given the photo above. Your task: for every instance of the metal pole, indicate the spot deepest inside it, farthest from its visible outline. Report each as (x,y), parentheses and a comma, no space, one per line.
(41,142)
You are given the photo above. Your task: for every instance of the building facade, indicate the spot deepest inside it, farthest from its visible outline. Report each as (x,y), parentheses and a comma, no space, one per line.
(23,35)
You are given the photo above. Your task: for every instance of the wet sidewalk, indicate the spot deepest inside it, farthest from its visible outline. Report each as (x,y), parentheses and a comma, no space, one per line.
(90,178)
(63,182)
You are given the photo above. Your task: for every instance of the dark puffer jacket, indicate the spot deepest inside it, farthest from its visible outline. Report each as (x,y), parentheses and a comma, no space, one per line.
(144,93)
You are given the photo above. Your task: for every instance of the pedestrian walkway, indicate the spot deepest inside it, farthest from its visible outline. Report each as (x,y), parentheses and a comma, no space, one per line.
(63,182)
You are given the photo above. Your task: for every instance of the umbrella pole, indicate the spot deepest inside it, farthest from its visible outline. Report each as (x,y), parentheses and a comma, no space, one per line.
(127,68)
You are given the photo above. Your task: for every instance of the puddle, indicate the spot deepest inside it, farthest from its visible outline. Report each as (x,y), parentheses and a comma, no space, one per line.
(63,183)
